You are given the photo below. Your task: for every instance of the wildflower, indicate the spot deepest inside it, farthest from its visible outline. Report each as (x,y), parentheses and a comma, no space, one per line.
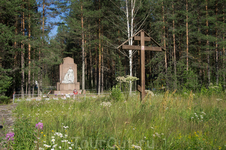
(41,132)
(201,116)
(52,137)
(59,147)
(39,125)
(65,127)
(46,145)
(136,147)
(9,136)
(54,145)
(69,148)
(69,142)
(106,104)
(53,140)
(72,144)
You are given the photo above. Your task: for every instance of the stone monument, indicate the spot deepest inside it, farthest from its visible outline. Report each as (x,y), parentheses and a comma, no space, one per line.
(68,77)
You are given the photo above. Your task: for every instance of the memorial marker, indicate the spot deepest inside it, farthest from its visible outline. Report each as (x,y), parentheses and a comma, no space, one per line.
(142,38)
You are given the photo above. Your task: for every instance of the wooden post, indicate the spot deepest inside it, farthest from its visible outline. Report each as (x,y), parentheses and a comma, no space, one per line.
(142,66)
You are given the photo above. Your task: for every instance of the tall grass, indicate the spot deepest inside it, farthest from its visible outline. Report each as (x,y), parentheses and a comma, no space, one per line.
(165,121)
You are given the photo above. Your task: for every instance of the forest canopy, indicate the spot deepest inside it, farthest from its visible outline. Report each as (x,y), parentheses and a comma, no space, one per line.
(191,31)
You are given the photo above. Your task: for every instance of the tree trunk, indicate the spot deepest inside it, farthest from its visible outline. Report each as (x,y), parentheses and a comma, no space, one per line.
(223,52)
(29,52)
(102,70)
(217,76)
(164,42)
(174,52)
(15,56)
(187,32)
(99,64)
(83,52)
(207,43)
(22,55)
(41,64)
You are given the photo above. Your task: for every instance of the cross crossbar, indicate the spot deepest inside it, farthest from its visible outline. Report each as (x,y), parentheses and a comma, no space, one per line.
(128,47)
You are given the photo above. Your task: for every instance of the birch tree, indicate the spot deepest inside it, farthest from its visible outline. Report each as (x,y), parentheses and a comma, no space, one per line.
(130,9)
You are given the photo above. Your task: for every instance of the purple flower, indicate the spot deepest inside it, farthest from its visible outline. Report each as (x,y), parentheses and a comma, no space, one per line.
(9,136)
(39,125)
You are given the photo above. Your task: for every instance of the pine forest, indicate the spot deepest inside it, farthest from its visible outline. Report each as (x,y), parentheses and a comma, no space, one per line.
(191,31)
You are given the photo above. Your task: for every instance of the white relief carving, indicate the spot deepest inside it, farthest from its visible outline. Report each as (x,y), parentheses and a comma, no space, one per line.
(69,76)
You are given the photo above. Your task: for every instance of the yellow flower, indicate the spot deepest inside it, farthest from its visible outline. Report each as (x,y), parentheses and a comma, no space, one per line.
(219,148)
(44,135)
(52,131)
(41,132)
(71,141)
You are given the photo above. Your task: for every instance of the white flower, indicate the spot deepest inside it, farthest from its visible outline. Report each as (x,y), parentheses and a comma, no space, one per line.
(46,145)
(59,147)
(153,135)
(106,104)
(69,147)
(69,142)
(201,116)
(54,145)
(65,127)
(157,134)
(65,135)
(72,144)
(40,148)
(53,137)
(53,140)
(136,147)
(162,133)
(152,128)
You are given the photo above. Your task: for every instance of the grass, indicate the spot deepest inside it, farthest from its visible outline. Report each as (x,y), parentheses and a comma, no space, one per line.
(165,121)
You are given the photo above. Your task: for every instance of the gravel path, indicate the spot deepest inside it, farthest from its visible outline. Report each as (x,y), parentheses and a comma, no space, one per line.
(6,120)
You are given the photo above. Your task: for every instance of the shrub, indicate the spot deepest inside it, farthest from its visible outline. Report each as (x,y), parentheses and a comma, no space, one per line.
(116,94)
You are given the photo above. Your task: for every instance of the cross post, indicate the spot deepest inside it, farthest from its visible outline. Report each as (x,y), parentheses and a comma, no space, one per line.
(143,48)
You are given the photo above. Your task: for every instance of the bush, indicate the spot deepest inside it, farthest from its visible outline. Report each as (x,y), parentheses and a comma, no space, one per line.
(116,94)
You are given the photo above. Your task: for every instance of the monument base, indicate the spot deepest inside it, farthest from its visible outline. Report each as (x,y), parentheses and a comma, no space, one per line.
(66,88)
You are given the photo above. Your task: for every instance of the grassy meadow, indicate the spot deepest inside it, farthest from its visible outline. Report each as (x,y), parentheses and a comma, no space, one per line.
(164,121)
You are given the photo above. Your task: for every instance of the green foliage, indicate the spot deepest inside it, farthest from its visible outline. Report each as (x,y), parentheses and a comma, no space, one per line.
(116,94)
(183,124)
(5,82)
(24,131)
(211,90)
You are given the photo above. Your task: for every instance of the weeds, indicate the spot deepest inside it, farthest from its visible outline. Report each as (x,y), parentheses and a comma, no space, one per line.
(169,121)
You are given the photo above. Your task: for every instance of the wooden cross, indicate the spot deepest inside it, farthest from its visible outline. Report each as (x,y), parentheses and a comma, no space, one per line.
(142,38)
